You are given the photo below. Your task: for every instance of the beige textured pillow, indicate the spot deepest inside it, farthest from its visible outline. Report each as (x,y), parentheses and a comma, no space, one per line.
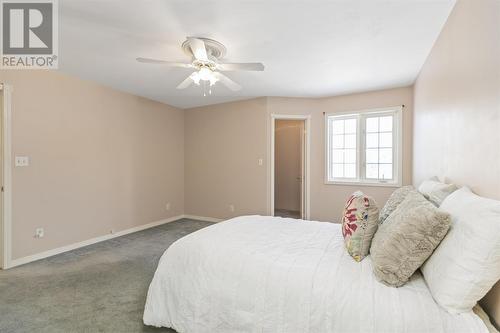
(394,200)
(407,238)
(359,224)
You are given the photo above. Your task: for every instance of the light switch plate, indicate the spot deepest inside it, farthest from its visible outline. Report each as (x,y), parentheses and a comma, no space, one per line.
(39,233)
(22,161)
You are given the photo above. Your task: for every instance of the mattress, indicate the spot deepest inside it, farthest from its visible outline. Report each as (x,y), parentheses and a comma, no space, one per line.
(271,274)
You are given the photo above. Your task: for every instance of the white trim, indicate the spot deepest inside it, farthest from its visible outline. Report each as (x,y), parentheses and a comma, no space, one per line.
(366,111)
(203,218)
(306,181)
(362,183)
(400,148)
(50,253)
(397,112)
(290,116)
(7,176)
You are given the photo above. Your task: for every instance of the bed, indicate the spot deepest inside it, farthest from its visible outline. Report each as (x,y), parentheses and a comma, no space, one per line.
(271,274)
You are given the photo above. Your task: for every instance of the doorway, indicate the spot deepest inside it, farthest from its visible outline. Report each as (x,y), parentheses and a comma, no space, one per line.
(289,171)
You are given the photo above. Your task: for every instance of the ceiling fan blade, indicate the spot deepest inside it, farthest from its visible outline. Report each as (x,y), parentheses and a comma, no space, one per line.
(198,48)
(249,66)
(186,83)
(227,81)
(163,62)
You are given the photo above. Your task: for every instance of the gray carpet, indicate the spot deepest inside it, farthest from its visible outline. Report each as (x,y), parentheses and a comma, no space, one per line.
(294,214)
(98,288)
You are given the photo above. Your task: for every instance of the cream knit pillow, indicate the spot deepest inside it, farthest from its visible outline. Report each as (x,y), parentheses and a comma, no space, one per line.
(394,200)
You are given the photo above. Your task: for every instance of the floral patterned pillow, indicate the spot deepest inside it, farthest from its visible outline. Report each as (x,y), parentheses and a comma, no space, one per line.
(359,224)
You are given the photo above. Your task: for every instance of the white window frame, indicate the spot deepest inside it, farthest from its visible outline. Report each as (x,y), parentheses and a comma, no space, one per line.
(397,165)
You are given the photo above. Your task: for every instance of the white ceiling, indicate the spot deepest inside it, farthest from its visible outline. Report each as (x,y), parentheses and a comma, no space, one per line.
(310,48)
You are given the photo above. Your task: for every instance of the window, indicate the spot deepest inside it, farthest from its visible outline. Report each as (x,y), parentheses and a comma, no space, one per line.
(364,147)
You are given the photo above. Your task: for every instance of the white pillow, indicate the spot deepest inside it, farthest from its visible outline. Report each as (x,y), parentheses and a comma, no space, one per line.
(467,262)
(435,191)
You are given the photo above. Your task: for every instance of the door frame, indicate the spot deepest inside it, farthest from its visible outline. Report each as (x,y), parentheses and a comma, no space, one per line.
(306,183)
(6,151)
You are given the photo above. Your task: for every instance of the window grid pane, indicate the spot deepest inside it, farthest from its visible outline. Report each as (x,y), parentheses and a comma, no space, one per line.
(350,126)
(385,171)
(385,124)
(350,141)
(372,125)
(343,148)
(338,170)
(338,126)
(385,140)
(372,171)
(350,156)
(350,170)
(378,147)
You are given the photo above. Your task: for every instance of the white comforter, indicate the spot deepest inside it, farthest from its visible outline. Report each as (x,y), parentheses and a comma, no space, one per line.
(269,274)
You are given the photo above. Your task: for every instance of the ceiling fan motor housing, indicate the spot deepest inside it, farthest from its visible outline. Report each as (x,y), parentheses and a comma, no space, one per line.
(215,50)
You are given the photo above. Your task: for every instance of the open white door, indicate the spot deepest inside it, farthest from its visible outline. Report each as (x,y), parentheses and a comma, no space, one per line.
(5,176)
(302,170)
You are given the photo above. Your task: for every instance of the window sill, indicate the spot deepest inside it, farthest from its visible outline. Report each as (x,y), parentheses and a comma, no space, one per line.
(358,183)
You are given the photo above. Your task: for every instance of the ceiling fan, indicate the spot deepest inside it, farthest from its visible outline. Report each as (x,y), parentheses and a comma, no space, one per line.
(206,57)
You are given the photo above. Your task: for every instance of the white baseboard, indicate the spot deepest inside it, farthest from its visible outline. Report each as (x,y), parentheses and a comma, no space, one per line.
(49,253)
(203,218)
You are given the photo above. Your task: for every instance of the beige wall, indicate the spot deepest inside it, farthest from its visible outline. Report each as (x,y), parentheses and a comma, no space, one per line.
(457,106)
(457,101)
(100,160)
(288,139)
(225,141)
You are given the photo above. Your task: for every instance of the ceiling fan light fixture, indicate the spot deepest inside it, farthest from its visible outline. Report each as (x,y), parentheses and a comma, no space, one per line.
(196,78)
(213,80)
(205,74)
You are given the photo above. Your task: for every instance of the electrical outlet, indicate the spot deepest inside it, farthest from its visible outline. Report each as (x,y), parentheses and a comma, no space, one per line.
(167,206)
(39,233)
(261,161)
(231,208)
(22,161)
